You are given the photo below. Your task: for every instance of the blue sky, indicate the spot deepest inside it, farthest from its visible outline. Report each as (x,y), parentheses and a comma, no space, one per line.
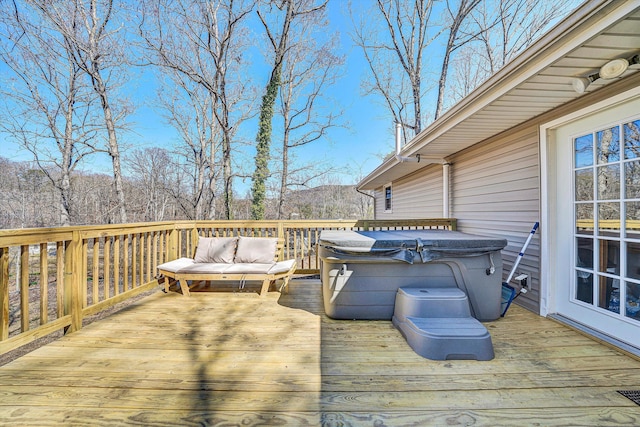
(352,150)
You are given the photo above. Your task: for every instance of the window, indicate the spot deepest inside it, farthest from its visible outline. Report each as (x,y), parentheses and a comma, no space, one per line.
(606,182)
(387,198)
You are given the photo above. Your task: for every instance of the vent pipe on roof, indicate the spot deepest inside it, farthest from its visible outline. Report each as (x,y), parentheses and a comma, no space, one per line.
(403,159)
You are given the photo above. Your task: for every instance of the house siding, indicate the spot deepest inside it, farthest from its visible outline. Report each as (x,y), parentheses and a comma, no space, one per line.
(416,196)
(496,188)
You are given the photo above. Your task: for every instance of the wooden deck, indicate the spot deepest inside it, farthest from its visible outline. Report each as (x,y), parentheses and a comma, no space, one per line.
(225,358)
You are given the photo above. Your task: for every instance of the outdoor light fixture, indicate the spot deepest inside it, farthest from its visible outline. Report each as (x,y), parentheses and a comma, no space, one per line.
(611,70)
(580,84)
(614,68)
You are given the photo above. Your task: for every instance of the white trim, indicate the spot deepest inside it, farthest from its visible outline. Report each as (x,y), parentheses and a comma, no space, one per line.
(545,274)
(446,203)
(547,302)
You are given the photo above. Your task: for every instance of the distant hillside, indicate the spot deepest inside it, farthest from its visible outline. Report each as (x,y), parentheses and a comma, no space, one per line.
(329,202)
(28,198)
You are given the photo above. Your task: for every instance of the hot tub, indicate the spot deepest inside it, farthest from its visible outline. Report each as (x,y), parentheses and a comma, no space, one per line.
(362,270)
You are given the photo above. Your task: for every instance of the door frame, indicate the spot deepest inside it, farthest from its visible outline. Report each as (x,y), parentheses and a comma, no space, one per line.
(550,243)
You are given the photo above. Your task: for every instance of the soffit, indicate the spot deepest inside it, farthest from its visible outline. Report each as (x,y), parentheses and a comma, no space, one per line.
(536,82)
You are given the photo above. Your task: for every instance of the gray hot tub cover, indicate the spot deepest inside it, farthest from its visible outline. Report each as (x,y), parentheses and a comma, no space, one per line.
(404,245)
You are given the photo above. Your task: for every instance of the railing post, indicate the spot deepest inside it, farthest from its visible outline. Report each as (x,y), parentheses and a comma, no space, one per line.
(72,282)
(194,241)
(285,244)
(4,293)
(280,230)
(172,250)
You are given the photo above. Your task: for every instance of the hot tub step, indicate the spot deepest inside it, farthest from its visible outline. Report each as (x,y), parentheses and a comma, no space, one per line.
(447,338)
(431,302)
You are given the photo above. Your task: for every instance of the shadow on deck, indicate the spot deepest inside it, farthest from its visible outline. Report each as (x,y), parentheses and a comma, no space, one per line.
(234,358)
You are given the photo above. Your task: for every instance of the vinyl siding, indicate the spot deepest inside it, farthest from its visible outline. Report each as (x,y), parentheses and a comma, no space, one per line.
(416,196)
(496,188)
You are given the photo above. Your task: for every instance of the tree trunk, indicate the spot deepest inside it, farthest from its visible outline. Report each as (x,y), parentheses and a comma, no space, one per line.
(65,165)
(442,82)
(261,172)
(285,170)
(93,67)
(263,139)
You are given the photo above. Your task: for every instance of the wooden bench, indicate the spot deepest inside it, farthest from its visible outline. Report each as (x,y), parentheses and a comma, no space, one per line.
(231,259)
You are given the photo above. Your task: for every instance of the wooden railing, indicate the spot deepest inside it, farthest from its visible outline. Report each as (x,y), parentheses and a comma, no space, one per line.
(52,278)
(632,225)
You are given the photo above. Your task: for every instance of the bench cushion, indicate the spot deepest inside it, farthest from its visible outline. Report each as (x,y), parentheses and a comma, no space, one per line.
(205,268)
(258,250)
(249,268)
(176,264)
(216,249)
(282,266)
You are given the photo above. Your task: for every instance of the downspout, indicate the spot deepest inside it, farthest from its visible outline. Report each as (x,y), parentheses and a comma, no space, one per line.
(374,200)
(446,166)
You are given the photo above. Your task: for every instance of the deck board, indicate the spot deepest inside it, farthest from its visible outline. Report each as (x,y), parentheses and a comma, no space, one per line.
(220,358)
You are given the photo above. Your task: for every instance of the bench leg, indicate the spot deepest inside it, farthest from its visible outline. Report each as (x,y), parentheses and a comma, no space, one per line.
(265,287)
(184,287)
(285,285)
(166,284)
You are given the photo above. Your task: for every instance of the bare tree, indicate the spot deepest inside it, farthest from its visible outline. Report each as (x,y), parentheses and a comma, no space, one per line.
(517,24)
(99,55)
(98,51)
(27,196)
(457,38)
(308,70)
(200,46)
(151,171)
(502,30)
(47,103)
(396,35)
(394,38)
(192,116)
(468,71)
(286,13)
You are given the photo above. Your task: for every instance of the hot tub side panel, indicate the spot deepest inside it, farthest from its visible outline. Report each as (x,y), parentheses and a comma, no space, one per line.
(367,290)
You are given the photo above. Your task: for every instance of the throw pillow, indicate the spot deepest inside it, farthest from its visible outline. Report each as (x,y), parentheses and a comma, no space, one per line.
(202,251)
(256,249)
(222,249)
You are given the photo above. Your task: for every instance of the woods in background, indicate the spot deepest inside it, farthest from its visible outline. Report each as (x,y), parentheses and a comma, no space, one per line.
(157,190)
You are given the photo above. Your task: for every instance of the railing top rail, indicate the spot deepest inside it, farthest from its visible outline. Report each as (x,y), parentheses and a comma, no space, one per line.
(71,228)
(34,236)
(13,237)
(20,236)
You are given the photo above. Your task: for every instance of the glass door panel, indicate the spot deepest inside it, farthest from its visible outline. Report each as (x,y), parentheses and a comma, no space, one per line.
(606,174)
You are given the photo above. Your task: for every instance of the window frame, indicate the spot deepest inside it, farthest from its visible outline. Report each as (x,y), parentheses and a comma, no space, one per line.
(388,201)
